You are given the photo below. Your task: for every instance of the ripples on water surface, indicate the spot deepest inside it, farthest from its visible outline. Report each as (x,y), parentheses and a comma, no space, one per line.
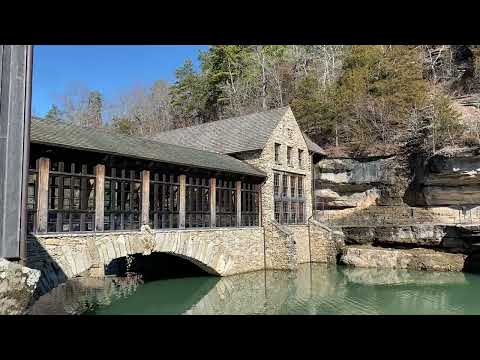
(313,289)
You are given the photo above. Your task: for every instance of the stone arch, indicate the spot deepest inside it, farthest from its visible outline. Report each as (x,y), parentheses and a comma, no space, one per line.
(208,256)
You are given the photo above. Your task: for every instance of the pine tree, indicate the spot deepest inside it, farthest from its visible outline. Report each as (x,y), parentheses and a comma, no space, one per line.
(53,114)
(94,110)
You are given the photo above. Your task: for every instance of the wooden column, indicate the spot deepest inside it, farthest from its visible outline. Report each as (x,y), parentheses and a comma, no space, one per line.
(238,193)
(99,197)
(213,202)
(41,221)
(181,209)
(145,197)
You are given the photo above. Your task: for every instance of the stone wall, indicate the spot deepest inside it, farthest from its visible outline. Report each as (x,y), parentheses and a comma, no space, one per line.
(300,235)
(280,247)
(221,251)
(326,244)
(17,285)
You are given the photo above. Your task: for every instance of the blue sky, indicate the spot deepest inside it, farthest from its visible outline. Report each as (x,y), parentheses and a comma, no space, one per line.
(107,68)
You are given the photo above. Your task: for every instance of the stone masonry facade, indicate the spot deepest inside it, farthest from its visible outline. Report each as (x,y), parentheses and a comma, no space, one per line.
(287,133)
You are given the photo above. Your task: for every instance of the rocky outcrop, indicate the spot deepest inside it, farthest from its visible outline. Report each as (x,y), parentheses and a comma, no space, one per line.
(17,285)
(349,183)
(411,259)
(452,180)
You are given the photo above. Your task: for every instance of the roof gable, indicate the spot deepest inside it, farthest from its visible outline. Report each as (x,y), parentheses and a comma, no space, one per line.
(228,136)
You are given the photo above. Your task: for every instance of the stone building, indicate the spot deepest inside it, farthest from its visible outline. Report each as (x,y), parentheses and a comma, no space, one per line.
(232,196)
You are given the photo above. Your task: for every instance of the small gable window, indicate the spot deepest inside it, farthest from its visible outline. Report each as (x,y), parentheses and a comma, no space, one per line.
(300,159)
(289,156)
(277,153)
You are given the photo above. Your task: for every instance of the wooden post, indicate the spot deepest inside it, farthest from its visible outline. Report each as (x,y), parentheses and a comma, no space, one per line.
(41,221)
(99,197)
(238,192)
(145,197)
(213,201)
(181,209)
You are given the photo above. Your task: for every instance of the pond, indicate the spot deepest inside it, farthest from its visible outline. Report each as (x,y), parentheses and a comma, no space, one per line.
(314,289)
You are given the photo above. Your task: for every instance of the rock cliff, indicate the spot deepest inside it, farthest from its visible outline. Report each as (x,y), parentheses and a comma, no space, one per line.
(403,208)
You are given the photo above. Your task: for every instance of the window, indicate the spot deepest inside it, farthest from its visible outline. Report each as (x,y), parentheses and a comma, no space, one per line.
(289,156)
(285,212)
(300,186)
(197,201)
(250,204)
(289,206)
(226,204)
(71,197)
(300,159)
(276,184)
(277,153)
(277,210)
(164,201)
(293,184)
(285,185)
(301,218)
(293,213)
(122,199)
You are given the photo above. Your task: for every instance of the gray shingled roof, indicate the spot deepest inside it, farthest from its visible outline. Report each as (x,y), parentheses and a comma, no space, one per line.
(228,136)
(232,135)
(104,141)
(313,147)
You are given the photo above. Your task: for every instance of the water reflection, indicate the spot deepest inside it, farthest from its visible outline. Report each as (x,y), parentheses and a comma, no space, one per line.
(312,289)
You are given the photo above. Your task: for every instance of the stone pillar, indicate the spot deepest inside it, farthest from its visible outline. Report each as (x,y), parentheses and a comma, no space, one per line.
(213,202)
(99,197)
(181,210)
(145,197)
(41,214)
(238,192)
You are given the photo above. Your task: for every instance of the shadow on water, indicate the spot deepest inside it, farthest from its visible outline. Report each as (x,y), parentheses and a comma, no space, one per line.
(312,289)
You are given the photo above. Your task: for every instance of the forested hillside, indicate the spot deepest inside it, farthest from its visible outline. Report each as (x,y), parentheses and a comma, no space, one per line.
(356,100)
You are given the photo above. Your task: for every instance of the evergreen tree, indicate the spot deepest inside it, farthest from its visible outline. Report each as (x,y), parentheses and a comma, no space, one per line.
(93,116)
(188,96)
(53,114)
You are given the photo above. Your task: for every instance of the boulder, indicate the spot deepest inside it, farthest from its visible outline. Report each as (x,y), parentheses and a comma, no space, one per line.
(412,259)
(17,285)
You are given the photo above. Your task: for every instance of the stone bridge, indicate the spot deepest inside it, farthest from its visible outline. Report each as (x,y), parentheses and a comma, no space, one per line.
(218,251)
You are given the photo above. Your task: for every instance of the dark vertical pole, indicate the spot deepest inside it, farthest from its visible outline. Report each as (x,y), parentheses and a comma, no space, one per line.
(15,103)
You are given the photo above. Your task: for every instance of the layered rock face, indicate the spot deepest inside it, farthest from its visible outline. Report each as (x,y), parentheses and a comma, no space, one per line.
(17,285)
(452,180)
(349,183)
(399,213)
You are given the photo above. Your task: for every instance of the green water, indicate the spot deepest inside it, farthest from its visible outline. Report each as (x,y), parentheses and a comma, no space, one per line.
(313,289)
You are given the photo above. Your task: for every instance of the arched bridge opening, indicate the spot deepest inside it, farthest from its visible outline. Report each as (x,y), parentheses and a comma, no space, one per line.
(158,266)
